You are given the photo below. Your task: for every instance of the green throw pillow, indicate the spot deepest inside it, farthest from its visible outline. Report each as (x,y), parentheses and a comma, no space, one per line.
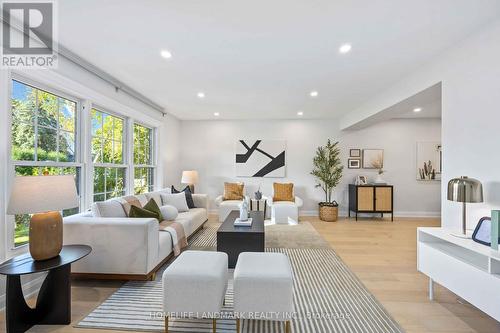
(141,212)
(152,206)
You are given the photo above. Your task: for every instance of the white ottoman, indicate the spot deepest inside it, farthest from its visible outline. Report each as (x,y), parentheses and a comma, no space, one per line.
(194,285)
(263,287)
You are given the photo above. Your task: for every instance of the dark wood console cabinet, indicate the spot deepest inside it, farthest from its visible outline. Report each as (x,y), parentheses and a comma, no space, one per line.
(371,199)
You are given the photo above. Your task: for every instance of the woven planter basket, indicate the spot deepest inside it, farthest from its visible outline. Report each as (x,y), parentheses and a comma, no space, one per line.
(328,213)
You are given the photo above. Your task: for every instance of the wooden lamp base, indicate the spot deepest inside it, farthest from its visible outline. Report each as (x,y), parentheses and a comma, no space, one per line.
(46,235)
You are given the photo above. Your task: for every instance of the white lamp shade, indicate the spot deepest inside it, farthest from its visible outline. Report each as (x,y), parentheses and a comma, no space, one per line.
(38,194)
(189,177)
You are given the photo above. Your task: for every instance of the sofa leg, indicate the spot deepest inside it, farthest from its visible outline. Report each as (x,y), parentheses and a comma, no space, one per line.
(287,327)
(237,325)
(214,325)
(166,324)
(153,276)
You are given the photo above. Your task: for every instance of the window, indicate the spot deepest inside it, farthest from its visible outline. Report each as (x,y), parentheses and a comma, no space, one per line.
(144,166)
(108,155)
(43,135)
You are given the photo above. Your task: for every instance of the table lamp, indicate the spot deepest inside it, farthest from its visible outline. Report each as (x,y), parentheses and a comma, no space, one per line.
(464,190)
(190,177)
(44,197)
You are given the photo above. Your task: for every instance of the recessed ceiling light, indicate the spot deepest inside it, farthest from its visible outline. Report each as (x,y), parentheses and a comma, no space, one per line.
(345,48)
(313,94)
(201,94)
(417,109)
(166,54)
(216,114)
(300,113)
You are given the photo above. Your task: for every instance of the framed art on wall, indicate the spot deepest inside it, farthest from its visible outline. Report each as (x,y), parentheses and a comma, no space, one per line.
(354,163)
(373,158)
(260,158)
(355,153)
(429,157)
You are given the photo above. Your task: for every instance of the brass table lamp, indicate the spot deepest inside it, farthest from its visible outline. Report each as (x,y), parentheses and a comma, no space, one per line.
(44,197)
(465,190)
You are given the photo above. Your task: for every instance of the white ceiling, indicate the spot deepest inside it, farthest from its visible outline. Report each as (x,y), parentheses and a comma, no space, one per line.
(260,59)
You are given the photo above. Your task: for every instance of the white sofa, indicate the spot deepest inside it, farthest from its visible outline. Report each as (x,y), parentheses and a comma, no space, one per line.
(123,247)
(226,206)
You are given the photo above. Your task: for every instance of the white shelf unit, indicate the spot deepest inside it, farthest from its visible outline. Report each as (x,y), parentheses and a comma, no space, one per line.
(469,269)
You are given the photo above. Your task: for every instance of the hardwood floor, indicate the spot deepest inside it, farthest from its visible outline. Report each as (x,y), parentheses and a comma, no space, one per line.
(383,256)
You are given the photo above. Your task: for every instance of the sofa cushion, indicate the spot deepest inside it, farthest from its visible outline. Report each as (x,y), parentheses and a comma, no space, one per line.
(108,208)
(152,206)
(283,192)
(141,212)
(233,191)
(192,219)
(177,200)
(189,196)
(156,196)
(169,212)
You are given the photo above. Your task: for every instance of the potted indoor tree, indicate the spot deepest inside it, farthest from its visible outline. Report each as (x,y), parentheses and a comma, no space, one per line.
(328,172)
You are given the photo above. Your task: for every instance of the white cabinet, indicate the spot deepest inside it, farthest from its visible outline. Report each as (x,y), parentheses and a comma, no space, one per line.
(469,269)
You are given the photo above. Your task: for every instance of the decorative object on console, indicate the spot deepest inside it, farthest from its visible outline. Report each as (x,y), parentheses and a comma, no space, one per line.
(190,177)
(45,196)
(483,234)
(429,157)
(360,180)
(465,190)
(495,229)
(244,210)
(260,158)
(328,173)
(258,194)
(354,163)
(189,195)
(373,158)
(355,153)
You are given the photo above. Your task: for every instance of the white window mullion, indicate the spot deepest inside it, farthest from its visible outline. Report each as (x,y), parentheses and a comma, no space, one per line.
(129,160)
(85,138)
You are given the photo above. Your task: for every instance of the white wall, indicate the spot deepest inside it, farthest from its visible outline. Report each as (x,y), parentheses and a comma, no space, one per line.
(208,146)
(169,151)
(470,76)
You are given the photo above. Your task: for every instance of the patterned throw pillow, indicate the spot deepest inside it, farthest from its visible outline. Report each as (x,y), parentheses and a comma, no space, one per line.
(233,191)
(283,192)
(189,195)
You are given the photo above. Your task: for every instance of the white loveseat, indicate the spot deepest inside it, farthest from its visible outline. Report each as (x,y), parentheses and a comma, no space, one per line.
(123,247)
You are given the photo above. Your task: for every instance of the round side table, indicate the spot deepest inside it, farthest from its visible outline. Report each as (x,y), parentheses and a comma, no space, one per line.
(53,305)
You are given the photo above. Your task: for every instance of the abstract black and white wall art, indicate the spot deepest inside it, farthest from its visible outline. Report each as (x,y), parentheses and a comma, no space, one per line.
(260,158)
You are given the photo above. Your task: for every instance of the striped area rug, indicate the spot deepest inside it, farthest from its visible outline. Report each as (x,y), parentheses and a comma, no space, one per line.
(328,297)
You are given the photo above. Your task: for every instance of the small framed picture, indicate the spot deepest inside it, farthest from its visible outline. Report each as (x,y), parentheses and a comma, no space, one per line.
(355,153)
(354,163)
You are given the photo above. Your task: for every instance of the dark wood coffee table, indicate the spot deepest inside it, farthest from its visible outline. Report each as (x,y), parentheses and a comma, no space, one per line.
(53,304)
(234,240)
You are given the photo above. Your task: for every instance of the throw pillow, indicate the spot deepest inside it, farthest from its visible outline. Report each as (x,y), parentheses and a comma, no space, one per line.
(189,195)
(233,191)
(169,213)
(152,206)
(141,212)
(178,200)
(108,208)
(283,192)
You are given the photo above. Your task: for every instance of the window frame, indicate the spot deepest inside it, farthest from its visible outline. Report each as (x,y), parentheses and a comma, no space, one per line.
(125,152)
(12,164)
(153,155)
